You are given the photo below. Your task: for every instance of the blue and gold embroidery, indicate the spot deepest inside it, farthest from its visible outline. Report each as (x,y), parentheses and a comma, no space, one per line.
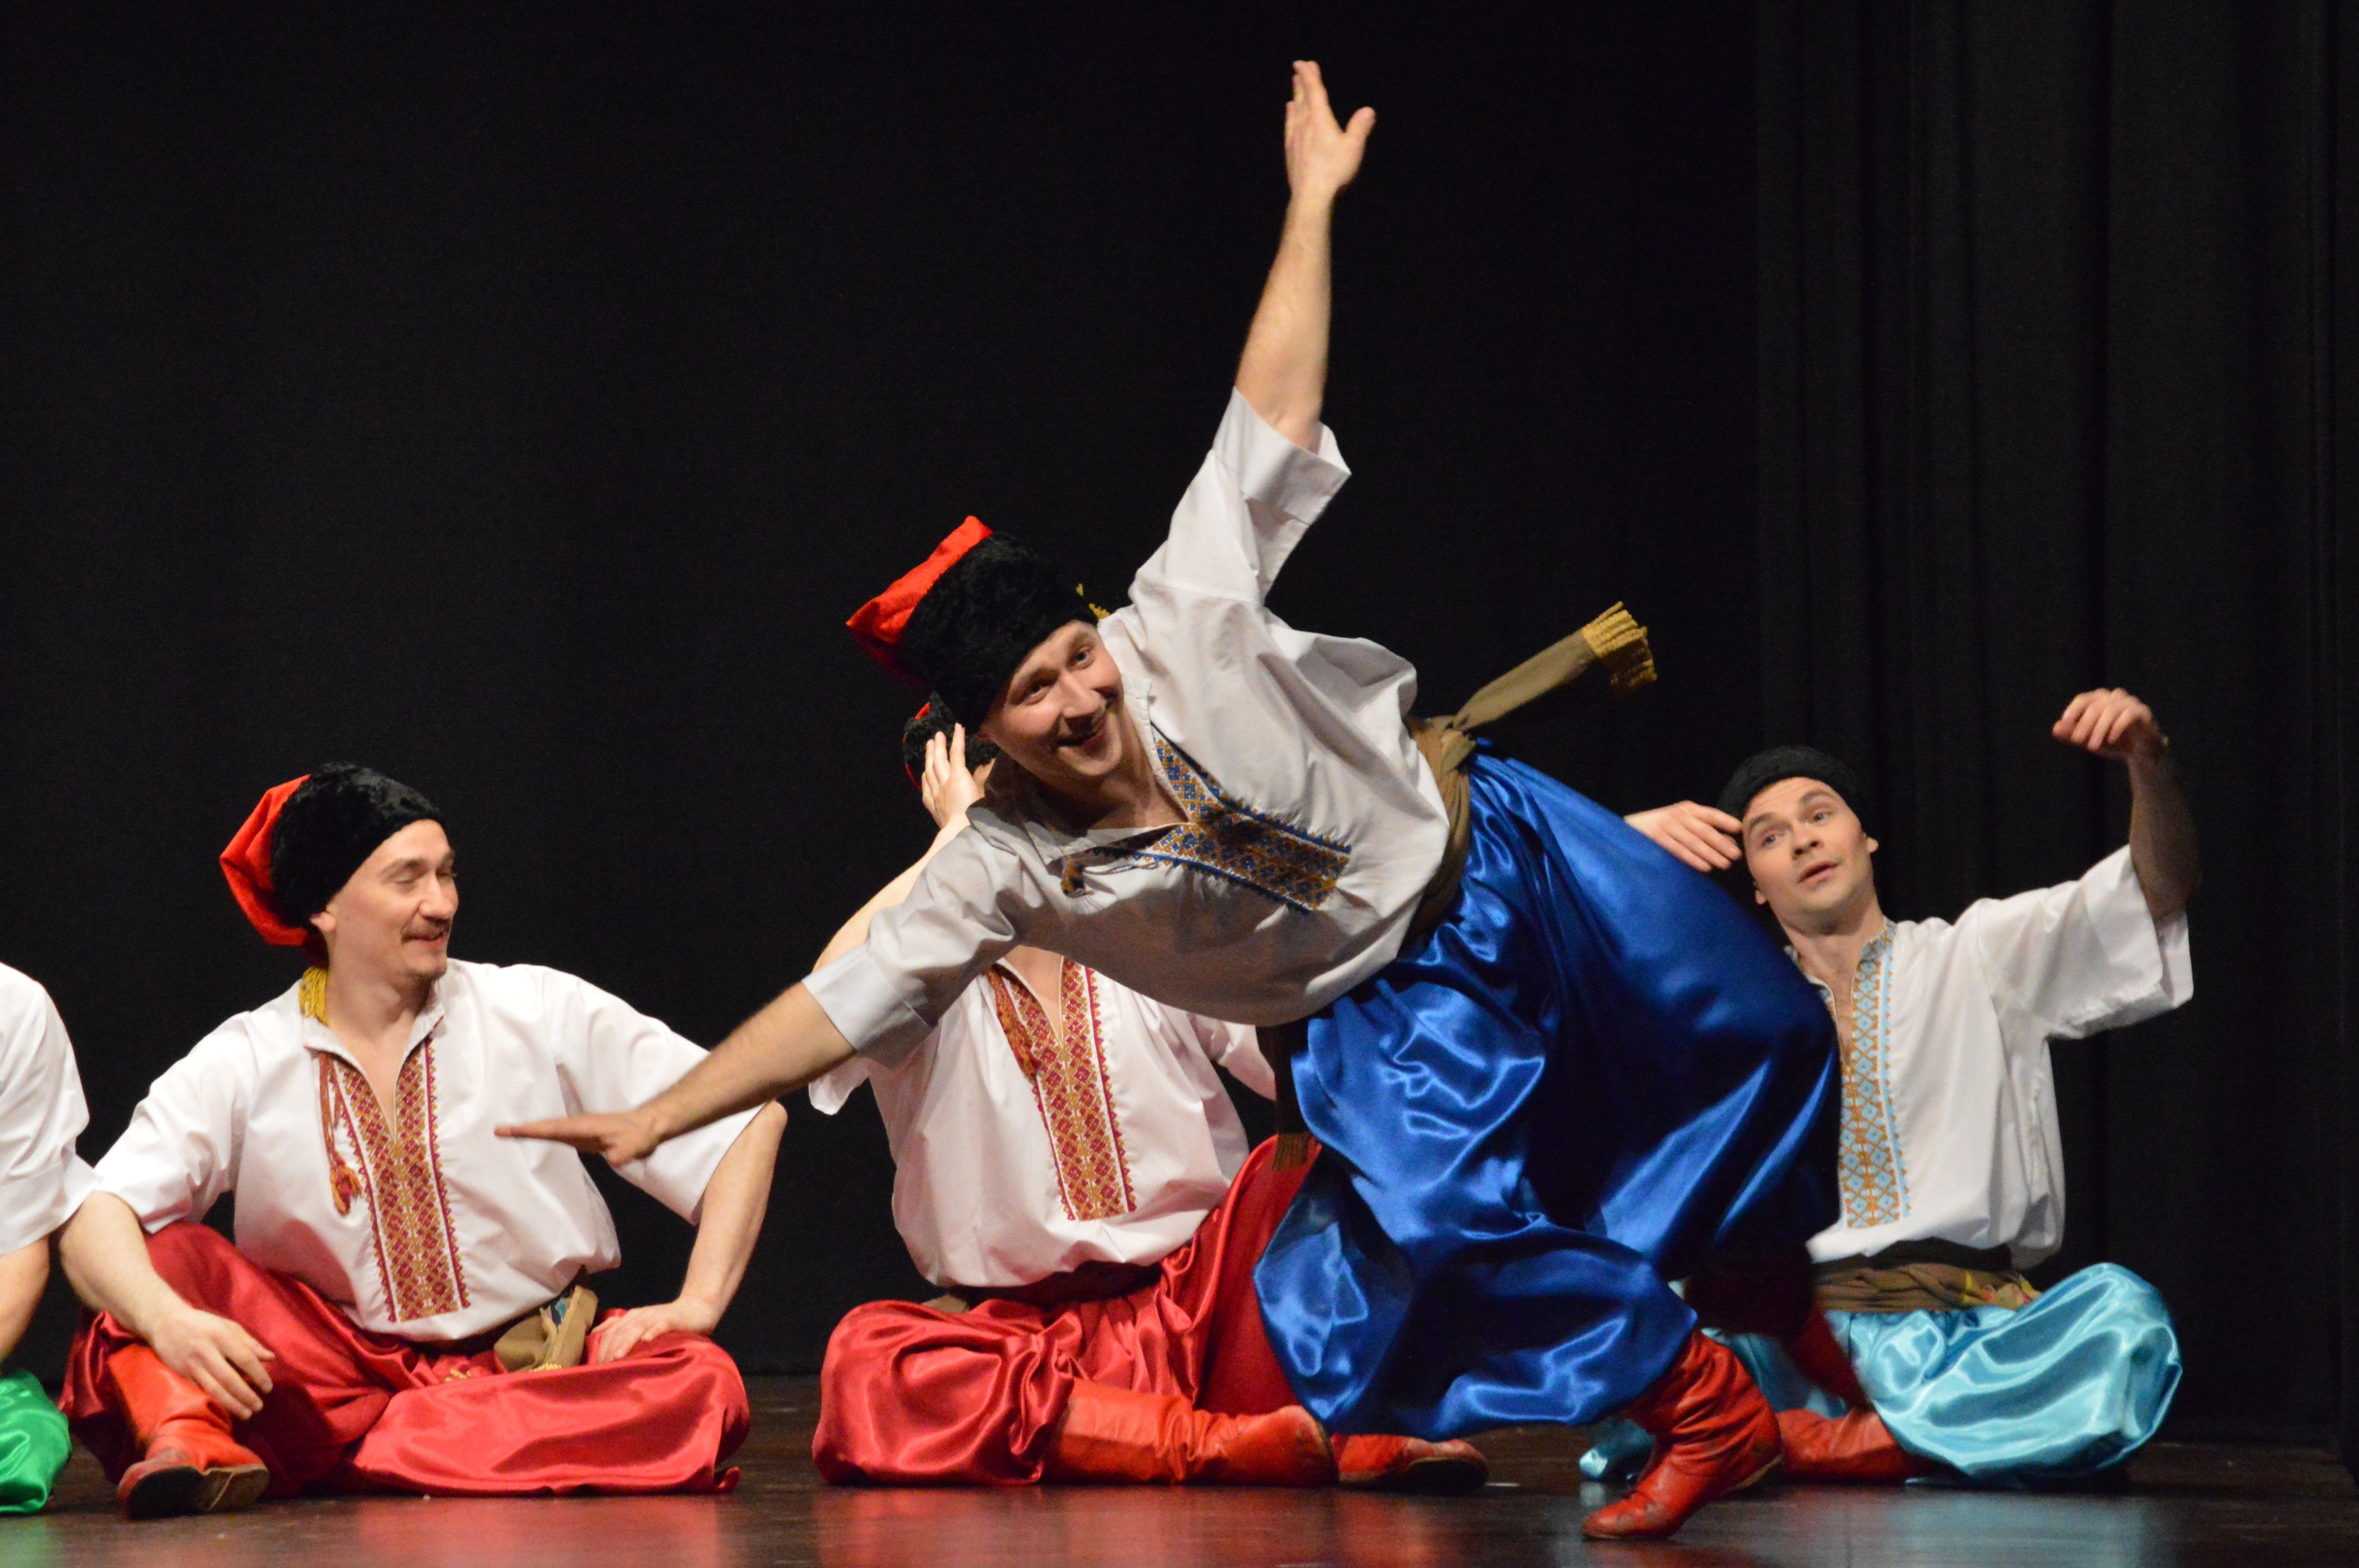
(1230,840)
(1874,1178)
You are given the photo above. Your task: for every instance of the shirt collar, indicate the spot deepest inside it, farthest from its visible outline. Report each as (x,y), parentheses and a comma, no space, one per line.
(1870,952)
(315,1035)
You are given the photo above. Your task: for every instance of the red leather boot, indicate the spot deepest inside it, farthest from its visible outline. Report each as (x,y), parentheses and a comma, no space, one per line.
(1714,1435)
(1381,1463)
(189,1464)
(1819,1357)
(1115,1435)
(1858,1446)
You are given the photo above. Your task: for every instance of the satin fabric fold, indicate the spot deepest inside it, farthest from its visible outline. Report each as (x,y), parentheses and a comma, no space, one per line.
(911,1396)
(355,1412)
(1597,1075)
(34,1445)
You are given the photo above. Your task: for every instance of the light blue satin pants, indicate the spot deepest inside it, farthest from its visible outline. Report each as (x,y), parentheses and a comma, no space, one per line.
(2068,1386)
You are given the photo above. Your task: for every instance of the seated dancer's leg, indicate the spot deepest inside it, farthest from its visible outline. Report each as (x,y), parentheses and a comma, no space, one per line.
(1172,1382)
(34,1445)
(663,1419)
(2060,1389)
(329,1385)
(1597,1075)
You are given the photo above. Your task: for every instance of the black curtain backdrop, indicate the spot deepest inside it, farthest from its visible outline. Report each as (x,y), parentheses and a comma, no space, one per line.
(517,398)
(2048,401)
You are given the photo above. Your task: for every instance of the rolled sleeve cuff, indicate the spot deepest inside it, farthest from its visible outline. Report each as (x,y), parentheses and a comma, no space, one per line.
(867,1008)
(34,1205)
(1273,471)
(676,1174)
(2155,953)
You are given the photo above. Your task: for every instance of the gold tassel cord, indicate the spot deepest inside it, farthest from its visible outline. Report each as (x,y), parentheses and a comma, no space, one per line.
(1620,645)
(312,995)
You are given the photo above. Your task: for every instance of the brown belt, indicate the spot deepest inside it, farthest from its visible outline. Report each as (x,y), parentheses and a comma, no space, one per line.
(1922,1276)
(1607,658)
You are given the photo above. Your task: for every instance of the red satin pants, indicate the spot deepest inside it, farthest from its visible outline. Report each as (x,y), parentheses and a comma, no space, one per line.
(355,1412)
(912,1396)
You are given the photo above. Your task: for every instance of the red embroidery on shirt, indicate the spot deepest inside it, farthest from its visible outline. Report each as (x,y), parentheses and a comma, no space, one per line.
(1072,1086)
(400,1172)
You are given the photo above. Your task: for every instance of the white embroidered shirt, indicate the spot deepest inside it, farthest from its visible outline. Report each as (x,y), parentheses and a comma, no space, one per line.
(1314,824)
(1949,1117)
(42,1180)
(1023,1151)
(413,1218)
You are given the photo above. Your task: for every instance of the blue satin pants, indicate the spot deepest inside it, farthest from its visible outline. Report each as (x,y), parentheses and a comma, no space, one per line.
(1596,1076)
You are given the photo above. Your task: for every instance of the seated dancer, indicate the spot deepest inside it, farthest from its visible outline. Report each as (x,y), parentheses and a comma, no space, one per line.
(1068,1168)
(1584,1071)
(41,1181)
(1951,1170)
(395,1260)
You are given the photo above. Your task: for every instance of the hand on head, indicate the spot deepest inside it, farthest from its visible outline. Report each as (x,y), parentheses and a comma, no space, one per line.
(2110,723)
(948,787)
(1701,835)
(1321,156)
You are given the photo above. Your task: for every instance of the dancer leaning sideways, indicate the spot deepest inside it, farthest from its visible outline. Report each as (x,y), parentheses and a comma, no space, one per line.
(1070,1171)
(402,1310)
(1582,1072)
(1944,1358)
(41,1181)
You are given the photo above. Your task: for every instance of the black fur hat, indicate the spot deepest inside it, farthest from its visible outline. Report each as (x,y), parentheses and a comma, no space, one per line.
(330,826)
(1762,769)
(929,721)
(964,620)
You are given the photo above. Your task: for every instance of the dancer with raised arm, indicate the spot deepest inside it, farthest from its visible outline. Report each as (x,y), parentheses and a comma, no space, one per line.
(397,1268)
(1070,1171)
(1549,1068)
(1951,1165)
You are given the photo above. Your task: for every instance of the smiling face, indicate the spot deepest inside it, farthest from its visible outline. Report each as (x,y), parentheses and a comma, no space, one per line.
(392,919)
(1061,719)
(1811,861)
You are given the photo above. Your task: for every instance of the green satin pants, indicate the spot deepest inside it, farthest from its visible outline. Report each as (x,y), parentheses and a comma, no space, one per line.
(33,1444)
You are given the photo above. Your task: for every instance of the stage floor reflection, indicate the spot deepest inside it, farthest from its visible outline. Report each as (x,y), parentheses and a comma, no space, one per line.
(2184,1504)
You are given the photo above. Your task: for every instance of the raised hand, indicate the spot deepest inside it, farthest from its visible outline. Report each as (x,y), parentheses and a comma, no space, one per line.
(1321,156)
(948,787)
(618,1337)
(218,1355)
(620,1137)
(2110,723)
(1704,838)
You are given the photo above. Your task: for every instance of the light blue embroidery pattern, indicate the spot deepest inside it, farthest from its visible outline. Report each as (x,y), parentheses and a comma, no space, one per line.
(1232,840)
(1873,1175)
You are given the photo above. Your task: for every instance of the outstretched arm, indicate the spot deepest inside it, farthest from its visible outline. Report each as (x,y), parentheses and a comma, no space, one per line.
(727,1226)
(2112,723)
(1284,372)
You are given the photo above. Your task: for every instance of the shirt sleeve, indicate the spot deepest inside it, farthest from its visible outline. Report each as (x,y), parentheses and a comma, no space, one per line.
(179,1154)
(1250,503)
(42,1179)
(1237,1047)
(611,1055)
(886,995)
(834,1090)
(2086,955)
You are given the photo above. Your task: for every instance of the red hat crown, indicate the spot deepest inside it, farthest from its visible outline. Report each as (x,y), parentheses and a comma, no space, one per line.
(878,625)
(247,864)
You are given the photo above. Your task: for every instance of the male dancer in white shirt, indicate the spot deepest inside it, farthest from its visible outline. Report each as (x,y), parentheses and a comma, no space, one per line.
(1548,1069)
(1951,1164)
(41,1181)
(386,1239)
(1067,1167)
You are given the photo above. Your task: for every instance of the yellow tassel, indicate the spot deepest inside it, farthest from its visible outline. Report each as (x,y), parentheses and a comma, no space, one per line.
(1293,1151)
(313,994)
(1620,645)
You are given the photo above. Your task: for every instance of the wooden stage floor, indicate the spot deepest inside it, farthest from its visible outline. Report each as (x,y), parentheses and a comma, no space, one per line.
(2184,1504)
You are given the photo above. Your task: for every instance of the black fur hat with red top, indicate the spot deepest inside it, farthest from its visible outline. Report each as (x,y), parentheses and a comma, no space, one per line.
(963,620)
